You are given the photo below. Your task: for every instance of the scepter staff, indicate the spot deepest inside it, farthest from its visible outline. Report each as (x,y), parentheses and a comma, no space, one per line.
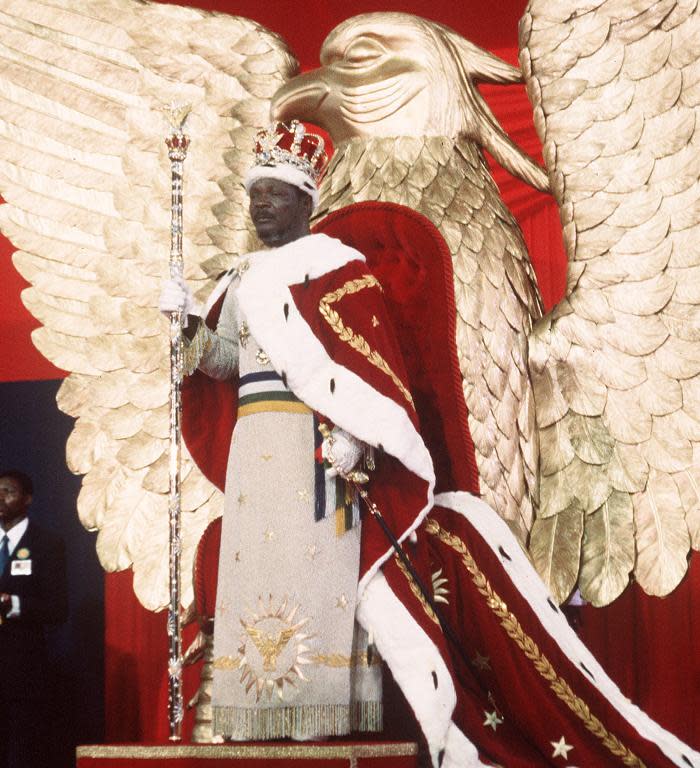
(357,479)
(177,143)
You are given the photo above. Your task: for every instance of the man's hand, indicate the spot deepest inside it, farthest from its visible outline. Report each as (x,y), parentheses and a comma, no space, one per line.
(342,452)
(5,604)
(176,296)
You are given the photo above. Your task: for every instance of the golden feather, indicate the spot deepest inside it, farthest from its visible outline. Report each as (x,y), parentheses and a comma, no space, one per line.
(618,108)
(85,175)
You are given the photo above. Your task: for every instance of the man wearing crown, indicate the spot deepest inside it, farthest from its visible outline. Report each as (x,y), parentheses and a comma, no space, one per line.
(290,659)
(302,335)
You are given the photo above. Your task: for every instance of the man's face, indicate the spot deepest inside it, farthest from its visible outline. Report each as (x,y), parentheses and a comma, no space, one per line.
(280,211)
(14,502)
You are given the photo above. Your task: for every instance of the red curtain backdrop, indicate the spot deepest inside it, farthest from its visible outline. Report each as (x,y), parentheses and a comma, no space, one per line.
(650,646)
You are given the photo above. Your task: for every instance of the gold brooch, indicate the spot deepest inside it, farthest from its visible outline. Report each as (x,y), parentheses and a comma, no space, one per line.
(243,334)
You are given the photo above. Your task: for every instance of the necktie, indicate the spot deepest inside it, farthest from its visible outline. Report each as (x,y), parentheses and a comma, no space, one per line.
(4,554)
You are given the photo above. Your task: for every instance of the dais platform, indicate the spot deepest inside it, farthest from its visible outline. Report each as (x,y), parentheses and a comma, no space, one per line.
(277,755)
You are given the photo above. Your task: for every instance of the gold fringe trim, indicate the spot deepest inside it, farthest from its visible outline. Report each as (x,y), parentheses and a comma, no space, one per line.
(270,752)
(356,341)
(195,349)
(528,646)
(307,721)
(416,590)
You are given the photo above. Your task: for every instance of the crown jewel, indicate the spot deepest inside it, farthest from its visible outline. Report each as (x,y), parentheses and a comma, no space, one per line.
(282,144)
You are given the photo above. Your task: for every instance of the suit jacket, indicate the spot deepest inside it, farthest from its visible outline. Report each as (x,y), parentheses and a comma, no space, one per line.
(41,587)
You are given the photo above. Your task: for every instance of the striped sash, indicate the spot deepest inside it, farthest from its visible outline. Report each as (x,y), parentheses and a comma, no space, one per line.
(265,391)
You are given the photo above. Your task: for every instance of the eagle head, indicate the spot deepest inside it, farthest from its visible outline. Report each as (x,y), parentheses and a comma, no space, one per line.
(395,74)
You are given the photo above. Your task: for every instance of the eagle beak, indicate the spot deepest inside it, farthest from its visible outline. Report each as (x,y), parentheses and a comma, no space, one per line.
(301,98)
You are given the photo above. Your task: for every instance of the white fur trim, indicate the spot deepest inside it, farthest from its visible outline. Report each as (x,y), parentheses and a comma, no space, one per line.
(294,350)
(413,658)
(525,579)
(288,173)
(460,752)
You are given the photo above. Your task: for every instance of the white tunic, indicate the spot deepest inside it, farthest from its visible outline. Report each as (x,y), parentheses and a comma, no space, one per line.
(289,658)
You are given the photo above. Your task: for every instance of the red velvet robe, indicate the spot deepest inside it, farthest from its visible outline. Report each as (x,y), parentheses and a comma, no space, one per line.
(378,358)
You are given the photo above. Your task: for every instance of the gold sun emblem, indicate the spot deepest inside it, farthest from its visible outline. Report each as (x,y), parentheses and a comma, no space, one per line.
(273,649)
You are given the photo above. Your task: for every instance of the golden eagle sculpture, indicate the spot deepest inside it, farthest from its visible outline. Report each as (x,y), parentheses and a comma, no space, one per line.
(587,430)
(398,95)
(586,423)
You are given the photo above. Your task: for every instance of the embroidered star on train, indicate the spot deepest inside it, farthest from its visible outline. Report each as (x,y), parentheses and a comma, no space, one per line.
(303,494)
(482,662)
(561,748)
(492,719)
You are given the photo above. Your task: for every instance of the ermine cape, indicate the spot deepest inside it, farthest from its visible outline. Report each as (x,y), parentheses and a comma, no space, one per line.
(366,338)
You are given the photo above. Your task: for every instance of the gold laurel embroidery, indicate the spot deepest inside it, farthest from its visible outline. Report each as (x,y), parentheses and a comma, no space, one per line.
(227,662)
(528,646)
(416,590)
(338,660)
(357,341)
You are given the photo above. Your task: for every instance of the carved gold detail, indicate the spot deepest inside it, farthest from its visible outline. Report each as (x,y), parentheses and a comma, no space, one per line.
(357,341)
(616,364)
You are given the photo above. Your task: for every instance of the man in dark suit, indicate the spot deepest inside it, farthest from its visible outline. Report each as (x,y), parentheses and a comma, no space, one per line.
(32,594)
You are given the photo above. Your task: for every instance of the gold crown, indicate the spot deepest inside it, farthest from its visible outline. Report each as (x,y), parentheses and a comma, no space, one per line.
(282,144)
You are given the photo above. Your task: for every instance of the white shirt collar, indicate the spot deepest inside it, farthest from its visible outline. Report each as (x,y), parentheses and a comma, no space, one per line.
(15,534)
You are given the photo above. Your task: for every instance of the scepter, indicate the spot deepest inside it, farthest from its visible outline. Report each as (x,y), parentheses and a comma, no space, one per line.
(177,143)
(356,480)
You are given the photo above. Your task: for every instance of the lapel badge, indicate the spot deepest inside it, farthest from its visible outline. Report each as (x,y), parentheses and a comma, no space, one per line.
(23,554)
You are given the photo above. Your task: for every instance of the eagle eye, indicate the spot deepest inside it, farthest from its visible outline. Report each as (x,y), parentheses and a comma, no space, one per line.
(362,51)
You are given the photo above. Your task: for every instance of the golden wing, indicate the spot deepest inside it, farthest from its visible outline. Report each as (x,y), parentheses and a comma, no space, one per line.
(616,365)
(409,128)
(84,171)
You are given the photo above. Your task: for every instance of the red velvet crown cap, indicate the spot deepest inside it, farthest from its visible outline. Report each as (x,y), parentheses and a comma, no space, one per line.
(291,144)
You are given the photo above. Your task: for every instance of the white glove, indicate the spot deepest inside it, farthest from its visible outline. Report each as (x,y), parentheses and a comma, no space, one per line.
(176,296)
(342,452)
